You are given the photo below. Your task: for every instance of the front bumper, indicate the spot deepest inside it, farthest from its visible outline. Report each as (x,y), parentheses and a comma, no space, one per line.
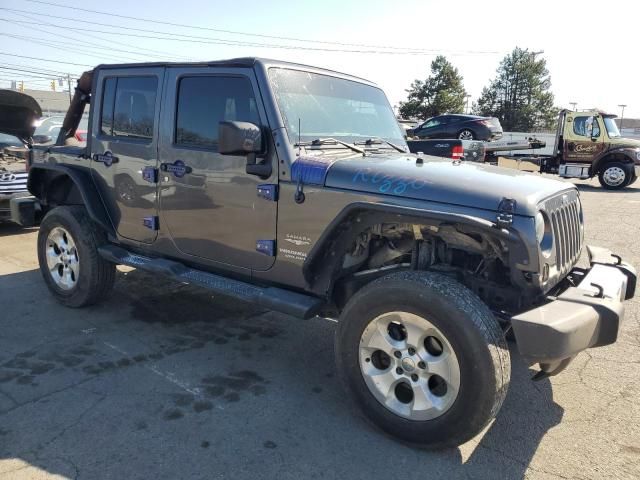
(20,208)
(581,317)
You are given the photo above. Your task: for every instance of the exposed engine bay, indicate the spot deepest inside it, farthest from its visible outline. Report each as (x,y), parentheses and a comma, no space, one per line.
(474,258)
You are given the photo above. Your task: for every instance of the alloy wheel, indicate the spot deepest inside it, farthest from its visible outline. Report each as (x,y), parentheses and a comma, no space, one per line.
(409,365)
(62,258)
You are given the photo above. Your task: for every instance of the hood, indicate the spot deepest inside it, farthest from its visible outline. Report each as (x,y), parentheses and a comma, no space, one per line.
(18,113)
(441,180)
(625,142)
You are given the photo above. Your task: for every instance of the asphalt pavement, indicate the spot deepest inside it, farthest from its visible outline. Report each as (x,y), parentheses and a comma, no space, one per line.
(166,381)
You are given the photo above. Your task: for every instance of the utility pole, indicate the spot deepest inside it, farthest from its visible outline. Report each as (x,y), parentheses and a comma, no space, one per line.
(466,106)
(573,105)
(69,84)
(621,116)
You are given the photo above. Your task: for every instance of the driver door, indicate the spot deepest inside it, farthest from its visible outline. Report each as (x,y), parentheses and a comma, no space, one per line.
(584,139)
(435,128)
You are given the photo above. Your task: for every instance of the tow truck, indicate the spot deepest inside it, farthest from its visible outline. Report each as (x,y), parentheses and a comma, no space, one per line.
(587,144)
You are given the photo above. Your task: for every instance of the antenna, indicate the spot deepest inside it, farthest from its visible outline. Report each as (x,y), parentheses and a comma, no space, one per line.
(299,138)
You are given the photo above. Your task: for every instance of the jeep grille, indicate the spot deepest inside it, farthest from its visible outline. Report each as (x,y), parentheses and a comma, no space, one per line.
(565,213)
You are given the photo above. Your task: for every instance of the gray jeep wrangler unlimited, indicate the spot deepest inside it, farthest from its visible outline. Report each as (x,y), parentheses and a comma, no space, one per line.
(292,187)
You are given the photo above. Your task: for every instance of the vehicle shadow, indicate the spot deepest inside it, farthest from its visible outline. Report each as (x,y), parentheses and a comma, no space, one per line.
(513,438)
(8,229)
(586,187)
(306,422)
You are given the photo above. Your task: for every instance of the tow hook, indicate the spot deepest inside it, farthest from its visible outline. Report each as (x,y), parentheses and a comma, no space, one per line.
(600,293)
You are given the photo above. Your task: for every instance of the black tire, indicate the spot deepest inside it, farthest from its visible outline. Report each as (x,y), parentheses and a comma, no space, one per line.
(473,333)
(467,134)
(95,275)
(605,179)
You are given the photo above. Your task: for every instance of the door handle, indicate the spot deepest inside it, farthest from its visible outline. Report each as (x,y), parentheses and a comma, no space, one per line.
(177,168)
(107,158)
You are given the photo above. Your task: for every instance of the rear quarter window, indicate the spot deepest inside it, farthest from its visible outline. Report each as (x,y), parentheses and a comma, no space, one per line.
(128,107)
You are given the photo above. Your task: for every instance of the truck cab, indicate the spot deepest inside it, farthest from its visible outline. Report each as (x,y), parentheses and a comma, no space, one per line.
(589,144)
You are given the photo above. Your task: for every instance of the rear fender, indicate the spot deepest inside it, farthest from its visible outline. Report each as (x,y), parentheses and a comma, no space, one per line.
(47,180)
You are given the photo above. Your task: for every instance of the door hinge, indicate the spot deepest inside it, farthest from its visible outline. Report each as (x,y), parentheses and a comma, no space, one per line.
(150,174)
(268,191)
(506,210)
(152,223)
(267,247)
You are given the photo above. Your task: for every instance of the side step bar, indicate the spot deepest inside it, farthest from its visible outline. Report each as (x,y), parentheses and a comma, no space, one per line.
(278,299)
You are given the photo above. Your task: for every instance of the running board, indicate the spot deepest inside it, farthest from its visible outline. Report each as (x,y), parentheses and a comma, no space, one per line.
(273,298)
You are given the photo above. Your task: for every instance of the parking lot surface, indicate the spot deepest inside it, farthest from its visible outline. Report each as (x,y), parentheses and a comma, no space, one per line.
(166,381)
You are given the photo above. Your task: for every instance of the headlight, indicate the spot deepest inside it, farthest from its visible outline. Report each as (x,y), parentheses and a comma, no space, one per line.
(638,155)
(539,227)
(544,234)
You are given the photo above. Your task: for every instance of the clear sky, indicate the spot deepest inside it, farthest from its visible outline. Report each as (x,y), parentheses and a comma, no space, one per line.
(591,47)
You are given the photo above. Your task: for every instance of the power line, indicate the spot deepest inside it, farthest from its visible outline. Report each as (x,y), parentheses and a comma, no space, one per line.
(387,49)
(44,59)
(141,51)
(195,27)
(60,45)
(12,71)
(39,69)
(235,42)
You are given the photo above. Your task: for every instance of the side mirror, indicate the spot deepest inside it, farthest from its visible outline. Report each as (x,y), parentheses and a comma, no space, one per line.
(239,138)
(244,138)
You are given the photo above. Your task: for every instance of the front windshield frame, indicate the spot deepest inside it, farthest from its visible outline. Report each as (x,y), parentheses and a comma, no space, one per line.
(387,129)
(612,127)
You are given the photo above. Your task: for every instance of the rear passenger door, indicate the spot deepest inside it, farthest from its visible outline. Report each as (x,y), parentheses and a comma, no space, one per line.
(124,148)
(208,203)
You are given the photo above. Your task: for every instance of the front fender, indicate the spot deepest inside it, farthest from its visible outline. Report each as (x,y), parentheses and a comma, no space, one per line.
(623,154)
(325,258)
(41,177)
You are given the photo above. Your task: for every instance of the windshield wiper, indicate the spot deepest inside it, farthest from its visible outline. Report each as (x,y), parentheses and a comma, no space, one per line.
(325,141)
(378,140)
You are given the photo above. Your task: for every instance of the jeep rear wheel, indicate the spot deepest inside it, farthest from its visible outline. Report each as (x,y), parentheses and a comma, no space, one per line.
(614,176)
(73,270)
(423,358)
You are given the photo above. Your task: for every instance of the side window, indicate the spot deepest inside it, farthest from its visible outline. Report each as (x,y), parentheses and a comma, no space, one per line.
(586,127)
(203,102)
(431,123)
(108,96)
(128,107)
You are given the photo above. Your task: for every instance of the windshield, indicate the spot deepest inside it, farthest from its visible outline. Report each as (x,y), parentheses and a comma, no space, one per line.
(332,107)
(612,128)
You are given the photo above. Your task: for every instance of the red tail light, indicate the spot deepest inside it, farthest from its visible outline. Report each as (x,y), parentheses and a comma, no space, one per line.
(457,153)
(486,123)
(81,135)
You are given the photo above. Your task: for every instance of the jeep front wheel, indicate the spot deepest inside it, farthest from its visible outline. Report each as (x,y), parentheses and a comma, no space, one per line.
(73,270)
(423,358)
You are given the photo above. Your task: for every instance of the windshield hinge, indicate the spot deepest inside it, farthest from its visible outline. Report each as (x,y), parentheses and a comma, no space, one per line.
(268,191)
(506,210)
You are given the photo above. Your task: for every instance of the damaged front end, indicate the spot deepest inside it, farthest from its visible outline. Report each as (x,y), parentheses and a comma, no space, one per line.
(587,314)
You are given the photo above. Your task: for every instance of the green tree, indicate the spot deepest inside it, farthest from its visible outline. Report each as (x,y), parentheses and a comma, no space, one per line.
(520,95)
(442,92)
